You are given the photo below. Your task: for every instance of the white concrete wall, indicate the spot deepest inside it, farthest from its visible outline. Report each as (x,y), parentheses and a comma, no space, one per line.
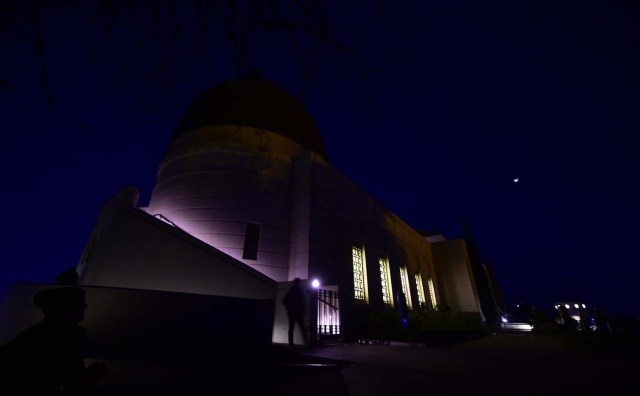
(138,251)
(302,178)
(215,180)
(455,280)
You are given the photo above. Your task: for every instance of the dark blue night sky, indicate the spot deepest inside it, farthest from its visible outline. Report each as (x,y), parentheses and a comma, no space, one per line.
(433,107)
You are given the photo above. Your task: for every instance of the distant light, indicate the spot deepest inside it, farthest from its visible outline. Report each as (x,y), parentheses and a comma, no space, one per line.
(576,305)
(504,320)
(567,306)
(517,326)
(516,180)
(556,306)
(315,283)
(584,306)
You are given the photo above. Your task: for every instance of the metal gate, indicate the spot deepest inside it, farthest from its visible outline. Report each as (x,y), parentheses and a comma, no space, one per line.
(328,319)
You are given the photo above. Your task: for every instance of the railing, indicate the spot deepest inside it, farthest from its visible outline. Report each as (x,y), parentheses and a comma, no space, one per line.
(328,319)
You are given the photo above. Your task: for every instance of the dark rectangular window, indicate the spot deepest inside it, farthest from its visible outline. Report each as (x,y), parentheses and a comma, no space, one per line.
(251,238)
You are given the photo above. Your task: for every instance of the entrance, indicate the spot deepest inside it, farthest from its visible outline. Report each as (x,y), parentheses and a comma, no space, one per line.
(328,318)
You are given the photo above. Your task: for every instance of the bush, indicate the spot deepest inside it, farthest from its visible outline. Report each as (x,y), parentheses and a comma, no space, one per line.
(385,325)
(444,319)
(423,325)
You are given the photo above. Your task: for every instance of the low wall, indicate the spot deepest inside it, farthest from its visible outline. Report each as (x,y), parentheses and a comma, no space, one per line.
(155,324)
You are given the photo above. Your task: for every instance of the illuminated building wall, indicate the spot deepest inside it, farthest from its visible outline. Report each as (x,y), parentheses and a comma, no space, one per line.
(246,199)
(215,181)
(131,249)
(454,284)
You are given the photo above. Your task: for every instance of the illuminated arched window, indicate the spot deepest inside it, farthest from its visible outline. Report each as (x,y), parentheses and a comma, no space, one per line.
(432,292)
(385,278)
(359,275)
(404,280)
(421,297)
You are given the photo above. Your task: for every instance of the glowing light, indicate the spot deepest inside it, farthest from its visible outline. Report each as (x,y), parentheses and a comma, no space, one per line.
(432,292)
(161,217)
(385,277)
(516,180)
(421,298)
(584,306)
(504,320)
(359,274)
(404,281)
(517,326)
(315,283)
(567,306)
(576,305)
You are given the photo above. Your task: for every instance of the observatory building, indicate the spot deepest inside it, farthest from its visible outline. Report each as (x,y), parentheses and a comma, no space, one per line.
(246,200)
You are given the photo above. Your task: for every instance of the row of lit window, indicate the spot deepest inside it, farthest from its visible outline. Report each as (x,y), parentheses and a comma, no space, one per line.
(569,306)
(360,288)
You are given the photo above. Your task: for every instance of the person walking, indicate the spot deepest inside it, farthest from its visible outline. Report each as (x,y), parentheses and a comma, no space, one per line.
(294,302)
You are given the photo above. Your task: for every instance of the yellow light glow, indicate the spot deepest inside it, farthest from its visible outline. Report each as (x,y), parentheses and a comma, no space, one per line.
(421,298)
(432,292)
(385,279)
(404,280)
(359,274)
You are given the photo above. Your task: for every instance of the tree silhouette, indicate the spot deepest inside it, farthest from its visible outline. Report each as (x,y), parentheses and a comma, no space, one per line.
(154,40)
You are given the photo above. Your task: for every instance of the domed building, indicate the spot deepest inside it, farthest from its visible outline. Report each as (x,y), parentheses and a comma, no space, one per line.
(246,201)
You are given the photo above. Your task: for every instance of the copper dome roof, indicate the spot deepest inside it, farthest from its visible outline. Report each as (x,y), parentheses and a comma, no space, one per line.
(254,103)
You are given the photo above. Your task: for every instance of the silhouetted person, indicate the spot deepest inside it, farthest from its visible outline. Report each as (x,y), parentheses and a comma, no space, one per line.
(47,358)
(294,302)
(600,319)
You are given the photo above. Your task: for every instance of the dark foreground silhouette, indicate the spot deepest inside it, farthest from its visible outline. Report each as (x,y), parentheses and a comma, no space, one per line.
(294,302)
(47,358)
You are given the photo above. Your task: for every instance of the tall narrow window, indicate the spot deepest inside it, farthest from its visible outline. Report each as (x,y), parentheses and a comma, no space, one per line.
(385,277)
(251,239)
(421,298)
(404,280)
(359,274)
(432,292)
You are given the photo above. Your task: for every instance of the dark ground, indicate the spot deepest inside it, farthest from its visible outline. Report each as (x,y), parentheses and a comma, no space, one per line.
(504,364)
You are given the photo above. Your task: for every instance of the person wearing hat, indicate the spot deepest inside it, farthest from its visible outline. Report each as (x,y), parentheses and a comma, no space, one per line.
(47,358)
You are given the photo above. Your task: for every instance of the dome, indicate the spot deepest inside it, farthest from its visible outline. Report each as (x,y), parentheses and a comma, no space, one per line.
(254,103)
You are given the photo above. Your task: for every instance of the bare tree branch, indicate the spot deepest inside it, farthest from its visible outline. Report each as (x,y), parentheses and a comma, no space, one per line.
(36,16)
(155,31)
